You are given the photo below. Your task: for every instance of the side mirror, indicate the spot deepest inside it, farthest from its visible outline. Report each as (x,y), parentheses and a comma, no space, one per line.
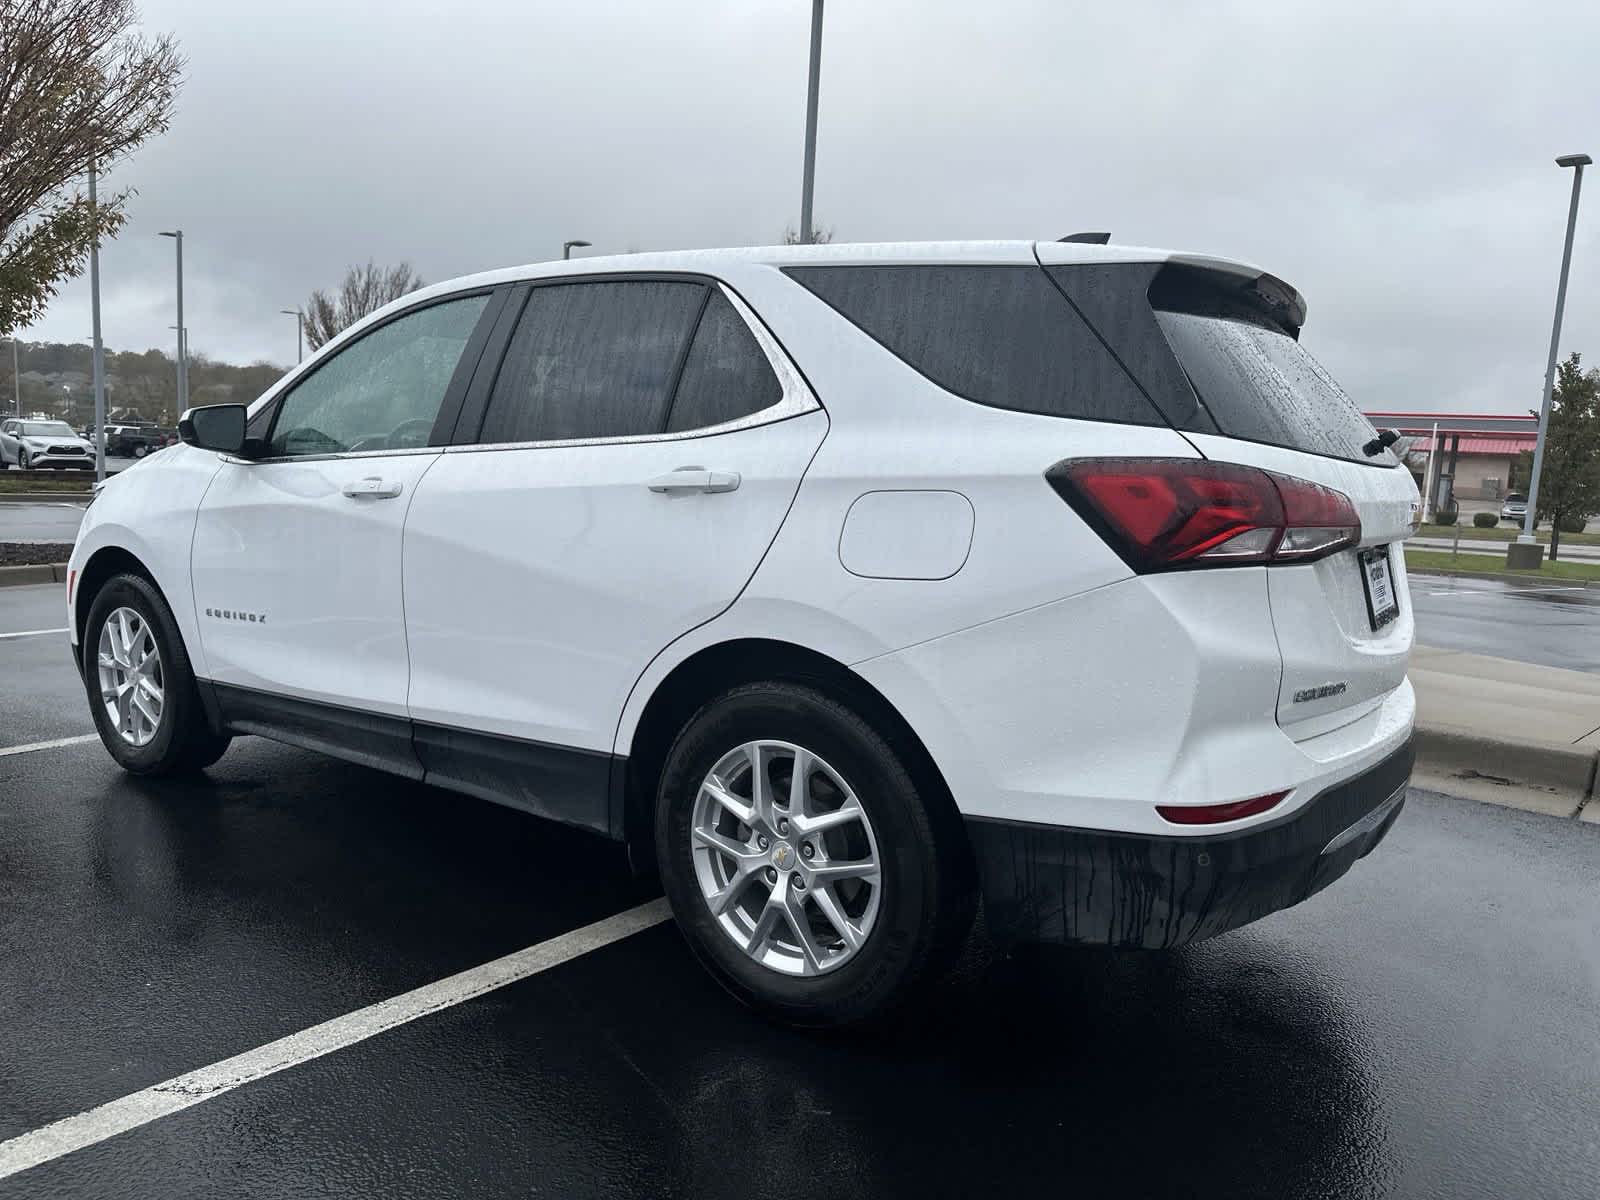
(214,427)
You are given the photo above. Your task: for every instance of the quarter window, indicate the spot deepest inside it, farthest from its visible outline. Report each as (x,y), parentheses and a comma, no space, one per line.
(998,335)
(726,375)
(592,360)
(383,391)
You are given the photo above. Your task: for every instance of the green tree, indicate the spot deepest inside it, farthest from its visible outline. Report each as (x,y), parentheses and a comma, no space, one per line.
(77,86)
(1569,482)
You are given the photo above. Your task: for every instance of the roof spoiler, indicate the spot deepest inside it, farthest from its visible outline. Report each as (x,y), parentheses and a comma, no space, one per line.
(1271,295)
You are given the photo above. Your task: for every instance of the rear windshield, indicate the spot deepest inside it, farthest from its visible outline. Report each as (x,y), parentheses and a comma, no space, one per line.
(1259,383)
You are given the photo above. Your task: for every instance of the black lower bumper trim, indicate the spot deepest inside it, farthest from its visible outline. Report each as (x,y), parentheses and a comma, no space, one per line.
(1044,883)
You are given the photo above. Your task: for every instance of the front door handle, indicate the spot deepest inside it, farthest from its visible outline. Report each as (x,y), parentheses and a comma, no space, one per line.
(372,488)
(695,479)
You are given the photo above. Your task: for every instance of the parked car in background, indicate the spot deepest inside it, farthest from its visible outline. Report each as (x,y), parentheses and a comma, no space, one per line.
(132,439)
(1515,508)
(36,444)
(843,584)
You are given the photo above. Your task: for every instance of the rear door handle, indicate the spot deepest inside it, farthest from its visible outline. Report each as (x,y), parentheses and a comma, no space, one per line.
(372,488)
(695,479)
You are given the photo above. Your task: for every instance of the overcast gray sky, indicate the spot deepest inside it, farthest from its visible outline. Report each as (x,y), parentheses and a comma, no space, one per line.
(1392,160)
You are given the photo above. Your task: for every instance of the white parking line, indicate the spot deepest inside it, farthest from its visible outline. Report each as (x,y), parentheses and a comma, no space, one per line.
(119,1116)
(31,633)
(30,747)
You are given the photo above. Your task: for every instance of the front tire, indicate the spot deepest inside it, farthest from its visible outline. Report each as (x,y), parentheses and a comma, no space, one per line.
(825,904)
(22,460)
(140,685)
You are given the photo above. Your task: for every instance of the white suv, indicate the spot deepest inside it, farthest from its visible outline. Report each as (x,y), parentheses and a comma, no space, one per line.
(843,584)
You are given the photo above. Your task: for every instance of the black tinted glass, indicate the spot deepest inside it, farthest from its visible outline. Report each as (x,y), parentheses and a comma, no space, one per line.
(999,335)
(726,376)
(1262,385)
(592,360)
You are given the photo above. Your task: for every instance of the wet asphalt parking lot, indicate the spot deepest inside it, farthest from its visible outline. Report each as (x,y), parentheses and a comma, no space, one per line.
(1429,1026)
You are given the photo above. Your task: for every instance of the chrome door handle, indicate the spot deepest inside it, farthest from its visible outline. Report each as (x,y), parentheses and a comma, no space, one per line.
(695,479)
(372,488)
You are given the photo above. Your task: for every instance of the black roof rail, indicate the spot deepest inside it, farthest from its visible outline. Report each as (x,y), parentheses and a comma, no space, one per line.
(1093,239)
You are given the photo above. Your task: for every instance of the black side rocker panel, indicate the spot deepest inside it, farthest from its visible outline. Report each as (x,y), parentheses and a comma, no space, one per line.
(1045,883)
(575,787)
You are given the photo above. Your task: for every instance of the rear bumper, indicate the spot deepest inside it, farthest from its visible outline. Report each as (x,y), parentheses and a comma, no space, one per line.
(1045,883)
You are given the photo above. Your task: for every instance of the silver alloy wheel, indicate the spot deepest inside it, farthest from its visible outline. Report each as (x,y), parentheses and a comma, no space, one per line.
(786,858)
(131,680)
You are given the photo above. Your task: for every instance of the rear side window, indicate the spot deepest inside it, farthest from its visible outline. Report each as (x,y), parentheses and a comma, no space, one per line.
(998,335)
(726,376)
(1257,382)
(592,360)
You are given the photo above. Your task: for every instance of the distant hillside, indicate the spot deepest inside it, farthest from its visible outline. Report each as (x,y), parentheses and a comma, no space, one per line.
(57,379)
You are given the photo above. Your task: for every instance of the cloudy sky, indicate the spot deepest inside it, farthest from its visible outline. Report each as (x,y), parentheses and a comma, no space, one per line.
(1393,159)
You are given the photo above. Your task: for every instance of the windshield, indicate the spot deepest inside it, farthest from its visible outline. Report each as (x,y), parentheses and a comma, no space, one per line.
(47,429)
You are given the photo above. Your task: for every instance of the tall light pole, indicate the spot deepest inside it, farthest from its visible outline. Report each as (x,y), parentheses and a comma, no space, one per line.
(807,233)
(99,346)
(183,355)
(1525,552)
(16,373)
(566,247)
(299,332)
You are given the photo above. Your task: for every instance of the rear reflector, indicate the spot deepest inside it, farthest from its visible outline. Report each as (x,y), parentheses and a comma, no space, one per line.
(1216,814)
(1168,514)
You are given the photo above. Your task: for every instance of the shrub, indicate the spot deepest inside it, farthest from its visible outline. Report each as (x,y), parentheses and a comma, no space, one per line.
(1445,516)
(1573,524)
(1485,520)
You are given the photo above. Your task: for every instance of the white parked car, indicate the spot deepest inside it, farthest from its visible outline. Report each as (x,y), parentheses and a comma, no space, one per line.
(30,442)
(844,584)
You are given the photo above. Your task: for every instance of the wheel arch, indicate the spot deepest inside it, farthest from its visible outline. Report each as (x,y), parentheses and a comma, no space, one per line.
(103,565)
(713,670)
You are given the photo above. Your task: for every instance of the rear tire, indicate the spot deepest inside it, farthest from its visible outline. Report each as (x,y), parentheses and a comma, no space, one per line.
(144,648)
(902,924)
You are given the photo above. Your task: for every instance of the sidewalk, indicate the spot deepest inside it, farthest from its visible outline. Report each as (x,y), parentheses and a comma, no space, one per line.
(1508,732)
(1574,552)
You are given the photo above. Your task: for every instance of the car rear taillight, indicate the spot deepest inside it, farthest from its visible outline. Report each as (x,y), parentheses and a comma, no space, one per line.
(1216,814)
(1168,514)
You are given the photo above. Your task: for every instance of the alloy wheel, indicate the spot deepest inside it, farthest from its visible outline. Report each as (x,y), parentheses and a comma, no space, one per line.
(131,680)
(786,859)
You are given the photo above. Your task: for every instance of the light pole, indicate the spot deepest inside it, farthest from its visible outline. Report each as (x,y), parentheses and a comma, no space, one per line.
(99,346)
(299,332)
(566,247)
(183,357)
(807,234)
(1525,552)
(16,374)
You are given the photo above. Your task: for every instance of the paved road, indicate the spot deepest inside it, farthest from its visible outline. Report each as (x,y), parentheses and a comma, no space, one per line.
(1553,625)
(1425,1027)
(54,522)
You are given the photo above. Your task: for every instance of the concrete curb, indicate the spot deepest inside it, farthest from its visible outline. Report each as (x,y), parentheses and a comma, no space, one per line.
(1551,778)
(42,573)
(42,497)
(1502,576)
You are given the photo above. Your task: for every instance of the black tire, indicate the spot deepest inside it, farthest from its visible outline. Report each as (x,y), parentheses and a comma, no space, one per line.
(183,740)
(928,895)
(22,460)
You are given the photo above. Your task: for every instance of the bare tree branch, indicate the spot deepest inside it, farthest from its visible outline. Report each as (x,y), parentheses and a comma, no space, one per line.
(365,290)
